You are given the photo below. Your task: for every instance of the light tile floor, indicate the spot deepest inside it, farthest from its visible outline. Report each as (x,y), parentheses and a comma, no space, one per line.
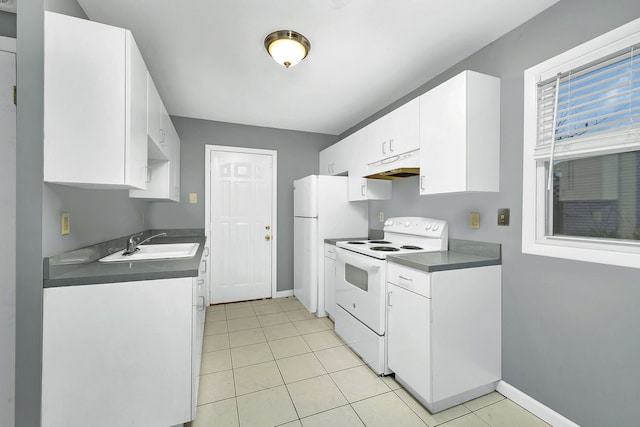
(272,363)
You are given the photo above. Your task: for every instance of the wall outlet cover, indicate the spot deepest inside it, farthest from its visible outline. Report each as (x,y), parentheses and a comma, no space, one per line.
(193,198)
(474,220)
(65,226)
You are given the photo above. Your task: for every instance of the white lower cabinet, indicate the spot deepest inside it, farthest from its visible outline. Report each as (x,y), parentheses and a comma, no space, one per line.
(122,354)
(200,304)
(330,279)
(444,332)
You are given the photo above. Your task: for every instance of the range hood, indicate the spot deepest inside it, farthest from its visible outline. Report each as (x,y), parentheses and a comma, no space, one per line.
(395,167)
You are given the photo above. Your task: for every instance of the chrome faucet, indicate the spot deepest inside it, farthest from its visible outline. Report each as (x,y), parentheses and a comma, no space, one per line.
(132,242)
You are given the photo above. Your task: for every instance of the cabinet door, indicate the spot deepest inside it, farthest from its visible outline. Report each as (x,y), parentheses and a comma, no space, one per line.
(327,159)
(409,338)
(84,102)
(330,280)
(443,135)
(154,111)
(349,152)
(158,182)
(396,133)
(130,342)
(460,135)
(163,175)
(173,147)
(136,116)
(368,189)
(338,159)
(198,318)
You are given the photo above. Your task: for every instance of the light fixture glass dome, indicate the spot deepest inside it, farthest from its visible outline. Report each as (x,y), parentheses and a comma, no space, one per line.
(287,47)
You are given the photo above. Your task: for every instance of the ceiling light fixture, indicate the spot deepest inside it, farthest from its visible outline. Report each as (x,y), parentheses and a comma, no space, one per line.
(287,47)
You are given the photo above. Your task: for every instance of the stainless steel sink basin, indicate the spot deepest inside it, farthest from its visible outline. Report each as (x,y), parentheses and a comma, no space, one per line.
(153,252)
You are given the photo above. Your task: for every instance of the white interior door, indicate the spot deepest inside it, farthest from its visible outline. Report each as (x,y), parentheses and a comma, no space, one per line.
(7,229)
(241,230)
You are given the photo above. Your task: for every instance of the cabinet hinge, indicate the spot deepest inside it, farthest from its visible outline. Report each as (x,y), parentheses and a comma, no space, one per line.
(15,95)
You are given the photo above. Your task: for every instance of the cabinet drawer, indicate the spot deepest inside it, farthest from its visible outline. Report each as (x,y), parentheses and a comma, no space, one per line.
(409,278)
(329,251)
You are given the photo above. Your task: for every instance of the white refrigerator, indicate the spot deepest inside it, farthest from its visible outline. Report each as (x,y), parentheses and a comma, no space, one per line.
(321,210)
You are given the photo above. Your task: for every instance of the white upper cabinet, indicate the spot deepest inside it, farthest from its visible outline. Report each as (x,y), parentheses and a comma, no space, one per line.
(173,142)
(95,96)
(396,133)
(362,188)
(163,169)
(368,189)
(460,135)
(341,157)
(155,115)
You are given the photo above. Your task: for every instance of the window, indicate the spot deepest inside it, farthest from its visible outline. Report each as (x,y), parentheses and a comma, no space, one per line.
(581,159)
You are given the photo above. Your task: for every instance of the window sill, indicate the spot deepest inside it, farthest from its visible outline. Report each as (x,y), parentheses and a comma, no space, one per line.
(618,256)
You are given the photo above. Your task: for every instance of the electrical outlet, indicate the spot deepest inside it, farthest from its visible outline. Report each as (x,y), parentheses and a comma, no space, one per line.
(65,226)
(193,198)
(503,216)
(381,217)
(474,220)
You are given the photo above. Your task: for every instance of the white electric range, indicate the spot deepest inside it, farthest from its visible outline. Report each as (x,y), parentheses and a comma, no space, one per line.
(361,295)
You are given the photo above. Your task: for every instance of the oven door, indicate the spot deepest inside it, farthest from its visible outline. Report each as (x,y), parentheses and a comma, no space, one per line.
(360,288)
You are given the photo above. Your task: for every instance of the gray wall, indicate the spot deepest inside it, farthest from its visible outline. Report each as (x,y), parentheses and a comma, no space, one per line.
(94,216)
(29,212)
(297,157)
(7,24)
(570,329)
(7,251)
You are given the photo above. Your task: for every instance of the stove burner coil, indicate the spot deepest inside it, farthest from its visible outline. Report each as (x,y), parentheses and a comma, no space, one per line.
(356,243)
(380,242)
(413,248)
(385,249)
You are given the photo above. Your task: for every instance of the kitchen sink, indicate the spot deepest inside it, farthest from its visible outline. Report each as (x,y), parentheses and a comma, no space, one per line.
(153,252)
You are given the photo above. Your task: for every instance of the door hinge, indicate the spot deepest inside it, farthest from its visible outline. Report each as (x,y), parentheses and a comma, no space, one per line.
(15,95)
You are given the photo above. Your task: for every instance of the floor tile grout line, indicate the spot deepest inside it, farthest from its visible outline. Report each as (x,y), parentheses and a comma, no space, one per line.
(418,415)
(284,383)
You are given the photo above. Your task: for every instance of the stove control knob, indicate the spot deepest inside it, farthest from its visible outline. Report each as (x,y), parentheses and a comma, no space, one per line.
(428,227)
(407,223)
(388,222)
(435,227)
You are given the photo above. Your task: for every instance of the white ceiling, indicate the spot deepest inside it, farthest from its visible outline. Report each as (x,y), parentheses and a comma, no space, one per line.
(208,60)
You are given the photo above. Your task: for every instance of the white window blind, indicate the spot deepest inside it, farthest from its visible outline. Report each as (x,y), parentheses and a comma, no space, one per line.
(598,109)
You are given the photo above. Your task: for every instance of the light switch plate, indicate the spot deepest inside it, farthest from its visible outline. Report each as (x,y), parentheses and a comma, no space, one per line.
(65,226)
(474,220)
(193,198)
(381,217)
(503,216)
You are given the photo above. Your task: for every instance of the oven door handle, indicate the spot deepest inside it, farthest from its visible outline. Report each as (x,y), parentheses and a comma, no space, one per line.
(364,262)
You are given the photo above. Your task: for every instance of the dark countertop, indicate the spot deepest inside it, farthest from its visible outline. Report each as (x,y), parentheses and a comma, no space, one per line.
(342,239)
(461,254)
(81,267)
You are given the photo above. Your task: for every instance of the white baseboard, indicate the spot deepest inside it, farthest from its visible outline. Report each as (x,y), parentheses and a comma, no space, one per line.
(282,294)
(536,408)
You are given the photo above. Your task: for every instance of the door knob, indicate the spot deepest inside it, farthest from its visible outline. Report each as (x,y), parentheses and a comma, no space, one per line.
(267,238)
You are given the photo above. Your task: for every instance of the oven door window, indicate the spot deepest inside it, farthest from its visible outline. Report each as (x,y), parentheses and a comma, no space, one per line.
(357,277)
